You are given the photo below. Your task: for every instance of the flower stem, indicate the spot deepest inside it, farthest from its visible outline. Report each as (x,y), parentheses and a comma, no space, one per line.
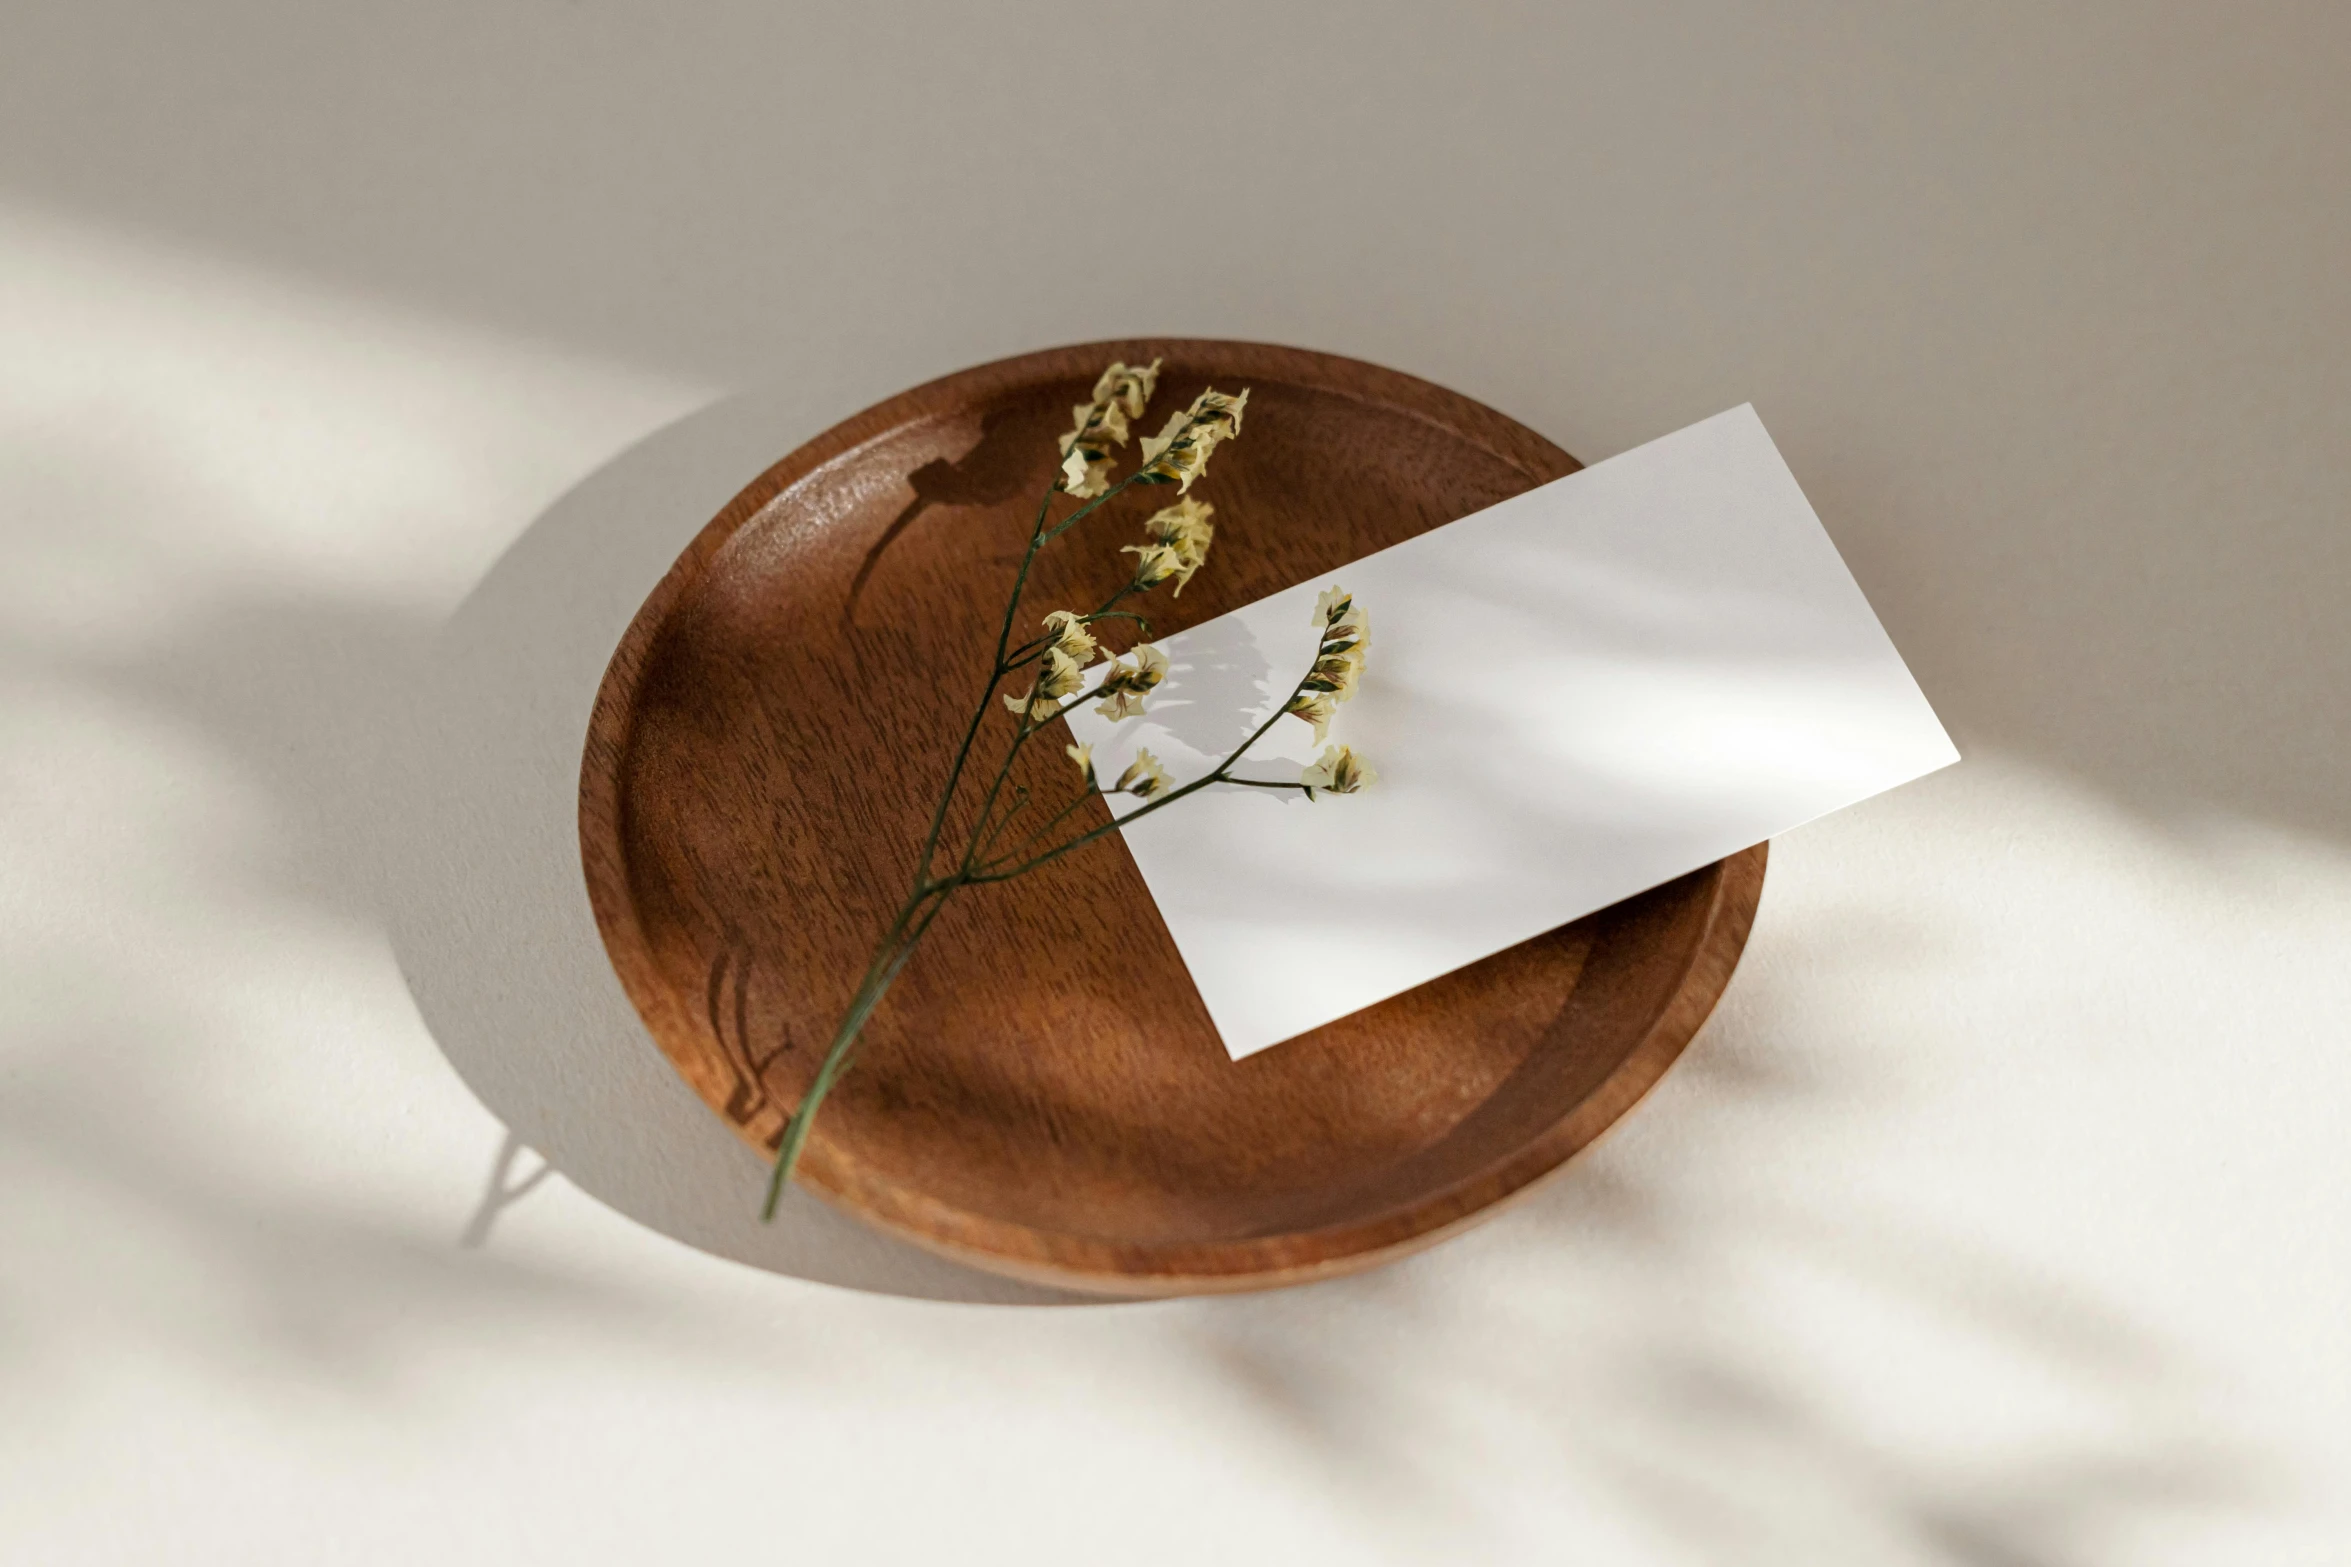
(931,894)
(1215,775)
(897,947)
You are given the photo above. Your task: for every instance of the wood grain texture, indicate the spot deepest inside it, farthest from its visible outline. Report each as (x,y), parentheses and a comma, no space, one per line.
(1042,1094)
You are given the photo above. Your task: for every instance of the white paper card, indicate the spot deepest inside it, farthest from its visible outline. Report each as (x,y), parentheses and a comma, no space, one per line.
(1570,697)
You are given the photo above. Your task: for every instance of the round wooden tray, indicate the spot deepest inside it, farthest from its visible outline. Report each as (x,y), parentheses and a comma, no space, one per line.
(1042,1095)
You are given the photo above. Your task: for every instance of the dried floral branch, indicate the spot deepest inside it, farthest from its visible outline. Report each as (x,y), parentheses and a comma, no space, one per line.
(1175,546)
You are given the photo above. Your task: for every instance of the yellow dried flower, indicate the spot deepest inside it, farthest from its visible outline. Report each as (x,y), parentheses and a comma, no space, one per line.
(1034,706)
(1179,453)
(1144,777)
(1339,771)
(1155,563)
(1184,525)
(1065,632)
(1057,676)
(1083,755)
(1342,623)
(1338,659)
(1346,636)
(1336,673)
(1085,472)
(1119,704)
(1127,388)
(1120,395)
(1316,708)
(1122,689)
(1185,529)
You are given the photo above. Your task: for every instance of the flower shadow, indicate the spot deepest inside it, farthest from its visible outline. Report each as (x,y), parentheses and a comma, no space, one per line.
(1214,691)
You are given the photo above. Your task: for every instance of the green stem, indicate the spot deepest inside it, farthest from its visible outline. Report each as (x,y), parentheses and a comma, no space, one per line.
(1020,802)
(1116,490)
(1006,660)
(1029,725)
(996,673)
(889,959)
(1215,775)
(1060,816)
(1037,645)
(930,896)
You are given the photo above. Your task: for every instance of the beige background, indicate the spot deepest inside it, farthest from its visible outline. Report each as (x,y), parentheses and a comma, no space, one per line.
(364,364)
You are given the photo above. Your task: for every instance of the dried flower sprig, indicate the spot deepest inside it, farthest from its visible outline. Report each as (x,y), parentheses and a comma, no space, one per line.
(1123,688)
(1179,453)
(1338,661)
(1120,395)
(1179,533)
(1066,634)
(1175,546)
(1316,707)
(1338,771)
(1143,778)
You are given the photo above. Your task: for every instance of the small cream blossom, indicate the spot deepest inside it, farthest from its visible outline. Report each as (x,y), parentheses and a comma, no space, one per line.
(1338,771)
(1143,778)
(1336,673)
(1155,563)
(1085,471)
(1340,620)
(1123,688)
(1315,707)
(1179,453)
(1128,388)
(1065,632)
(1337,667)
(1083,755)
(1338,659)
(1057,676)
(1101,425)
(1185,529)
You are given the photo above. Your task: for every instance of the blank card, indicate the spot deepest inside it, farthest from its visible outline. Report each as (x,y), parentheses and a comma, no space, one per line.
(1570,697)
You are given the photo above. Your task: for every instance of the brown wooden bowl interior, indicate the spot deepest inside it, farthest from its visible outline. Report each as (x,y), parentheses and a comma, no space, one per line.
(1042,1093)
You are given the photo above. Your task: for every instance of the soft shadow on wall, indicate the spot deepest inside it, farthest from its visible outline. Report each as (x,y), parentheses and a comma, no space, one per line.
(2043,305)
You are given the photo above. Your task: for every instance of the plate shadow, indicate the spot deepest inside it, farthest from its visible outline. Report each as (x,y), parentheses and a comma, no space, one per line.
(483,892)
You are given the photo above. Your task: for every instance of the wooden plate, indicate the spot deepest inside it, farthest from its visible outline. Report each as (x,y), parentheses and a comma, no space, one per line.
(1042,1094)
